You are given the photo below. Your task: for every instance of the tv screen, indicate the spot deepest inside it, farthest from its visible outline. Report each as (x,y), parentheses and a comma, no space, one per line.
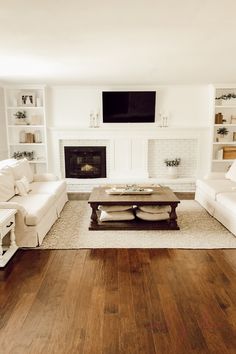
(128,106)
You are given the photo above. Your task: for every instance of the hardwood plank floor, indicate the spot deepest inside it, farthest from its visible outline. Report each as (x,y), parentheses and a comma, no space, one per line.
(113,301)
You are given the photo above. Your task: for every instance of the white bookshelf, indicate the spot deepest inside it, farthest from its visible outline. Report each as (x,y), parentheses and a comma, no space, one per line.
(31,136)
(227,109)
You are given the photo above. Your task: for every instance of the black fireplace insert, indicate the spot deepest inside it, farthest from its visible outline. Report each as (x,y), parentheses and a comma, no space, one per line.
(85,161)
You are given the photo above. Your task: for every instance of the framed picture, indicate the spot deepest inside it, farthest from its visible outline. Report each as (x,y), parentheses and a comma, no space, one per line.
(26,99)
(233,120)
(234,136)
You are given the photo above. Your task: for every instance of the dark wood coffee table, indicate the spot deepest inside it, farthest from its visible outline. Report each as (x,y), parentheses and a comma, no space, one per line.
(160,196)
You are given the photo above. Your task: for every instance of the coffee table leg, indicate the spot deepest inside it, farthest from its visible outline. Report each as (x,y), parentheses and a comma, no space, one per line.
(94,217)
(173,217)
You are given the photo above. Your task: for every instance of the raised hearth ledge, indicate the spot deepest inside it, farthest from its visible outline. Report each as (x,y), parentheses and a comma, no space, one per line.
(85,186)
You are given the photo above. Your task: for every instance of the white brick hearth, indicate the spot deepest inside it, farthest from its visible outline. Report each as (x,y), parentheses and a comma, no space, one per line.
(135,155)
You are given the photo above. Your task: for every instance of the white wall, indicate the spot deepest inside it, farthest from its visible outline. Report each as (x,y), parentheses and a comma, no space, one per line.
(3,140)
(185,105)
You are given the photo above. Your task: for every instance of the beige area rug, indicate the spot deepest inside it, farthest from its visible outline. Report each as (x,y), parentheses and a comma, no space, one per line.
(198,230)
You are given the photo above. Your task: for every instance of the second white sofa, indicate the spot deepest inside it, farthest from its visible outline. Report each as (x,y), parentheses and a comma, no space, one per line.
(217,194)
(37,208)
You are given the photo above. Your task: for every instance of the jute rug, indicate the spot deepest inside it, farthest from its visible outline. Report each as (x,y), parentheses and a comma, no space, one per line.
(198,230)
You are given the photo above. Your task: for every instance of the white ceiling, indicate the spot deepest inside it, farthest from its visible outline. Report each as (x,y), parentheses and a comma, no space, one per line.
(122,42)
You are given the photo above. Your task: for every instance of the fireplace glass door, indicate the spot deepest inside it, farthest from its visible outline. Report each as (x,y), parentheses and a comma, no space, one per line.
(85,161)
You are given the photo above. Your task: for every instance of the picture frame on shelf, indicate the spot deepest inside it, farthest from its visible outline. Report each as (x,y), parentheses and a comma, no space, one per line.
(26,99)
(234,136)
(233,120)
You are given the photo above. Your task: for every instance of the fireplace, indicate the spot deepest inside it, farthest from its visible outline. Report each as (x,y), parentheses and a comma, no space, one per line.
(85,161)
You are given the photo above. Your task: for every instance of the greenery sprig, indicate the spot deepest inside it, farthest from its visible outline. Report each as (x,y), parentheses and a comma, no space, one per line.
(20,114)
(222,131)
(226,97)
(171,163)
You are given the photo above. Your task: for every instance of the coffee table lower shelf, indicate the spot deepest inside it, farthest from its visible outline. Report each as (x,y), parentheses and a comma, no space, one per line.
(135,224)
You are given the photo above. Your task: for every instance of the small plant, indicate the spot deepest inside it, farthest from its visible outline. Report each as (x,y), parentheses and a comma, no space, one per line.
(171,163)
(226,97)
(21,154)
(222,131)
(20,115)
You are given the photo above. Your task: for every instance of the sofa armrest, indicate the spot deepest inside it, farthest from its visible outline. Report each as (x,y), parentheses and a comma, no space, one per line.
(215,175)
(13,205)
(45,177)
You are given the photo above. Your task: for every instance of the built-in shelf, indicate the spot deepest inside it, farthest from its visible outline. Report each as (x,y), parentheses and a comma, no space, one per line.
(225,106)
(224,143)
(225,125)
(27,144)
(24,107)
(223,160)
(25,126)
(219,148)
(27,132)
(37,161)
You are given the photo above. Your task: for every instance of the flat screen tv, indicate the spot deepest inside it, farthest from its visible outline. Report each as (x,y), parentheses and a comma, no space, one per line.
(128,106)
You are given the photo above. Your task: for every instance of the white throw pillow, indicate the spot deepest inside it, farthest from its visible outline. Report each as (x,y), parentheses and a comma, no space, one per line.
(117,215)
(151,217)
(109,208)
(7,186)
(22,186)
(231,173)
(155,209)
(22,168)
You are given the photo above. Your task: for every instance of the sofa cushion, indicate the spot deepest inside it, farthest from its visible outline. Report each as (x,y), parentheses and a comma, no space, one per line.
(215,186)
(55,188)
(7,190)
(36,206)
(231,174)
(228,201)
(22,168)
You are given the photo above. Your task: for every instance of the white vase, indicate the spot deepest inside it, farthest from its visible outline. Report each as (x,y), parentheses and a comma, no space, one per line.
(172,171)
(223,138)
(20,121)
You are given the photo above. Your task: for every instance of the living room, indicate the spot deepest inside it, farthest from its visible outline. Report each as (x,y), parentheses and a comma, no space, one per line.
(159,277)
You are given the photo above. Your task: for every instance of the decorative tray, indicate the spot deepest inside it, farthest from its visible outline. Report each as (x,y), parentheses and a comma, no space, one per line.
(123,191)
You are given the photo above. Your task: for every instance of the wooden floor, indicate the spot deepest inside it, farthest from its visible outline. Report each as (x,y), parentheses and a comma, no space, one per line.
(119,301)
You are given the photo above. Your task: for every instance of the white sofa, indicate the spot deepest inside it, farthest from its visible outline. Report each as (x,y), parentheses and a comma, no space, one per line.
(217,194)
(38,208)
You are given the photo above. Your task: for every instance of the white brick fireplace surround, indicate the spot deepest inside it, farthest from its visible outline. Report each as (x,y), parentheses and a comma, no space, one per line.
(136,155)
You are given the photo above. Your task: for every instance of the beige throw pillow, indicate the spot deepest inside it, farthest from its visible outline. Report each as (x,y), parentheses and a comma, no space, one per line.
(7,186)
(117,215)
(109,208)
(22,186)
(155,209)
(151,217)
(231,174)
(22,168)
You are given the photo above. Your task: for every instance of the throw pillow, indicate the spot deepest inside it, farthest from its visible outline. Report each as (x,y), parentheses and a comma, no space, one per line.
(231,173)
(117,215)
(151,217)
(22,168)
(155,209)
(22,186)
(6,184)
(109,208)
